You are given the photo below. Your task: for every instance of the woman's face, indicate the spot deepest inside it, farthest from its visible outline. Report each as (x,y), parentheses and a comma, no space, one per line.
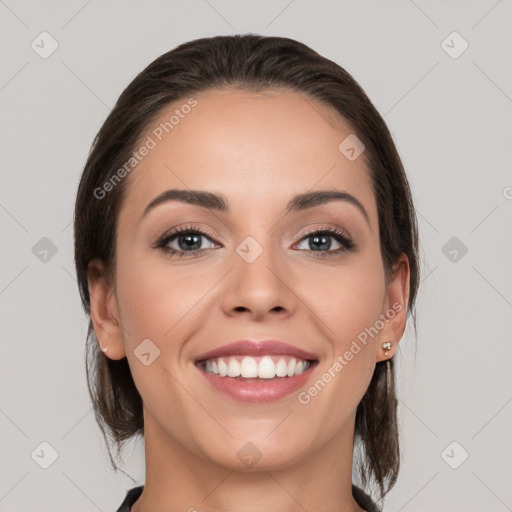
(255,275)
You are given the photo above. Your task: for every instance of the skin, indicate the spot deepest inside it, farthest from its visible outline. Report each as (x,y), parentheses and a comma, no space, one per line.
(258,150)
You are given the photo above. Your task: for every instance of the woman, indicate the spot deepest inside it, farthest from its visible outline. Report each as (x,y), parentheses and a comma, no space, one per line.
(246,248)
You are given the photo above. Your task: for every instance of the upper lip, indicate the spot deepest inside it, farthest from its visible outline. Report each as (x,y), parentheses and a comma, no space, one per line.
(257,348)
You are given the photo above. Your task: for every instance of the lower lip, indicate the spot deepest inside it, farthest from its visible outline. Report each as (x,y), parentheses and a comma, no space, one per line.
(258,391)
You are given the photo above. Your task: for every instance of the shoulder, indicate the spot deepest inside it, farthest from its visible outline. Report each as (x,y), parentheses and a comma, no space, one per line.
(364,501)
(131,497)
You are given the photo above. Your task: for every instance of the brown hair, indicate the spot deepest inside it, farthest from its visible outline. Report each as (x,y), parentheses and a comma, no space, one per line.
(252,62)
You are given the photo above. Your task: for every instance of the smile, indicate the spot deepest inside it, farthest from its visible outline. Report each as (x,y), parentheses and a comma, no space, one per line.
(257,379)
(249,367)
(256,370)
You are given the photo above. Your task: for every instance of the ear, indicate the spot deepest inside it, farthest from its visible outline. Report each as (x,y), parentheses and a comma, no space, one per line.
(395,309)
(104,311)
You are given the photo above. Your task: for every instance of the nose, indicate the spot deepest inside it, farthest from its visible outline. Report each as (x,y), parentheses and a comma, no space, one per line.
(260,288)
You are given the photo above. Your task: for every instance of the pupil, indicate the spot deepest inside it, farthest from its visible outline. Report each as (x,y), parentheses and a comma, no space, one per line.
(189,241)
(326,242)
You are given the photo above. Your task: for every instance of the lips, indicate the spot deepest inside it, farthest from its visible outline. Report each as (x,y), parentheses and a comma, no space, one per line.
(257,349)
(256,371)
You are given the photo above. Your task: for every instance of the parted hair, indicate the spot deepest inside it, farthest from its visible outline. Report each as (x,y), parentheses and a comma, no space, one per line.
(255,63)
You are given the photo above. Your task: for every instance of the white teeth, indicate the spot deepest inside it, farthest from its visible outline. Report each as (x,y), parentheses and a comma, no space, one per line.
(233,368)
(281,368)
(291,367)
(248,367)
(223,367)
(266,367)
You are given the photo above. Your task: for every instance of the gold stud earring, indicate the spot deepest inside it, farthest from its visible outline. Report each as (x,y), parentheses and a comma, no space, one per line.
(387,346)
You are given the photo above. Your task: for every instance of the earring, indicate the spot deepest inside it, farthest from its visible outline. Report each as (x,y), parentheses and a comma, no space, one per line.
(387,347)
(104,349)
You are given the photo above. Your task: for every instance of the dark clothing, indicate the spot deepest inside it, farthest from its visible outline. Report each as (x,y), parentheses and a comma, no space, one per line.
(362,499)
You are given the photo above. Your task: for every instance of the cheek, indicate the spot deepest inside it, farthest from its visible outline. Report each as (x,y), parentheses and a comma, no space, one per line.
(153,299)
(347,299)
(158,305)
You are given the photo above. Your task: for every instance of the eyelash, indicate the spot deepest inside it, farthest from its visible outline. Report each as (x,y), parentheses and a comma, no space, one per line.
(347,244)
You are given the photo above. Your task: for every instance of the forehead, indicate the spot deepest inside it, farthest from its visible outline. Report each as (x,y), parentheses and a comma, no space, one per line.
(249,146)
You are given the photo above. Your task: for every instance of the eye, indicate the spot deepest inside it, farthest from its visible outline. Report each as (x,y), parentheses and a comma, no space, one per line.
(319,241)
(185,239)
(188,240)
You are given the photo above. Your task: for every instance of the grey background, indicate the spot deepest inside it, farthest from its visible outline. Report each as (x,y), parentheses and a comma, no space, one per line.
(451,120)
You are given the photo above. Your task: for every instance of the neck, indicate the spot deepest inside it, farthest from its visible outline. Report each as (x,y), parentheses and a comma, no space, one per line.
(179,480)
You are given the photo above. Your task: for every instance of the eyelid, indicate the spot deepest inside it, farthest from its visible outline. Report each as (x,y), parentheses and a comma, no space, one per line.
(176,231)
(330,229)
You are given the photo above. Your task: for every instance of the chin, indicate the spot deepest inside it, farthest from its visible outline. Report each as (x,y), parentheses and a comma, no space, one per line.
(258,455)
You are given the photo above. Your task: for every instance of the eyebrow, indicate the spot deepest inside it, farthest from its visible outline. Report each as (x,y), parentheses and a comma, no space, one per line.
(218,202)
